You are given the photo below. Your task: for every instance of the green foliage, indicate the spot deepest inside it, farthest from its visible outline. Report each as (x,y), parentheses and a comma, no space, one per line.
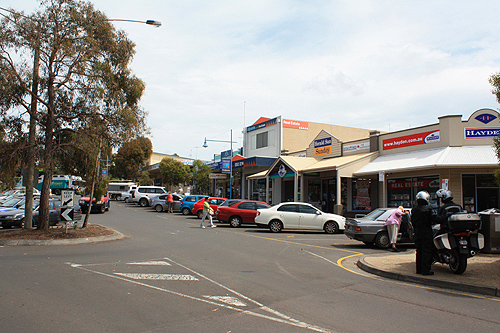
(131,156)
(145,180)
(200,176)
(86,92)
(173,172)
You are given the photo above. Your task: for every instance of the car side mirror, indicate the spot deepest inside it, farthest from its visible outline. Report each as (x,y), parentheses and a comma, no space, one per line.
(318,212)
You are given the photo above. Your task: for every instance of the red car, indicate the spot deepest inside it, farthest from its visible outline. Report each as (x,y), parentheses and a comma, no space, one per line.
(238,212)
(214,202)
(100,206)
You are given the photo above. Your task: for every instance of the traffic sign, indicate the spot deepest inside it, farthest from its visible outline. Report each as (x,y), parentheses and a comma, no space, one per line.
(67,198)
(68,214)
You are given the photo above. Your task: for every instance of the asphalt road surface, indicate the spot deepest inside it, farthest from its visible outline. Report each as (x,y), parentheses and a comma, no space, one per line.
(170,275)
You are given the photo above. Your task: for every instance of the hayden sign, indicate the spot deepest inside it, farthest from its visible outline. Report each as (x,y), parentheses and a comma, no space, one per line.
(411,140)
(482,133)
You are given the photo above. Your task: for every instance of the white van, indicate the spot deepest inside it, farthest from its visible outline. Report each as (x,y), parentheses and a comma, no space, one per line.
(143,194)
(116,189)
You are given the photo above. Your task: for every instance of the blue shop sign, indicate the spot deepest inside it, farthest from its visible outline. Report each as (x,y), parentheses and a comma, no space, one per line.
(482,133)
(322,142)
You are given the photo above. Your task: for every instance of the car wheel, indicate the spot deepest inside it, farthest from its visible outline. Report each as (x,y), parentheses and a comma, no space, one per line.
(235,221)
(382,240)
(331,227)
(143,202)
(199,214)
(159,208)
(275,226)
(125,200)
(186,211)
(102,209)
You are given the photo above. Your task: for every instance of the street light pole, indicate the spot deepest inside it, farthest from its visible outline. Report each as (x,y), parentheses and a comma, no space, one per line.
(154,23)
(205,145)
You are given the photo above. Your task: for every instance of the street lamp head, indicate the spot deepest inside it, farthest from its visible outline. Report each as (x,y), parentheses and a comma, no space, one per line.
(205,144)
(154,23)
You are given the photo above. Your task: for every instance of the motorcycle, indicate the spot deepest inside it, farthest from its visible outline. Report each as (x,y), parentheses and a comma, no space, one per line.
(460,242)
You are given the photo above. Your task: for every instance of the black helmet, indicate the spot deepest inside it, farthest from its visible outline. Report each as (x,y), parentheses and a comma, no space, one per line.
(423,195)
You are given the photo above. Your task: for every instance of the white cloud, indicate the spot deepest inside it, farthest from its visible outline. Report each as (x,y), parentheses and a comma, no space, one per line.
(359,63)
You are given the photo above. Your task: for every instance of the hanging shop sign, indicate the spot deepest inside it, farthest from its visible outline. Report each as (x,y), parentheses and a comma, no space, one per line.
(323,146)
(226,158)
(217,176)
(303,125)
(411,140)
(482,132)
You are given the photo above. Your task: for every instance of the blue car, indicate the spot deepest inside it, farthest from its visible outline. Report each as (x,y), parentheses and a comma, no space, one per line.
(188,202)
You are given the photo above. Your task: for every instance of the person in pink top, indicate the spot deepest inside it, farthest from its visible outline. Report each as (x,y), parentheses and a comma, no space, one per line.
(393,223)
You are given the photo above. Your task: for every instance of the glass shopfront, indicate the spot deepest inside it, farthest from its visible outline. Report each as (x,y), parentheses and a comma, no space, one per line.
(314,192)
(480,192)
(361,194)
(402,191)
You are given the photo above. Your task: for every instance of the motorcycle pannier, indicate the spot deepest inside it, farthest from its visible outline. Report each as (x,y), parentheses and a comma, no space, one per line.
(459,222)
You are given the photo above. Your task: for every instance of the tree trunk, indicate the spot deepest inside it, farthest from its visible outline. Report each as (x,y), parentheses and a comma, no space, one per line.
(94,177)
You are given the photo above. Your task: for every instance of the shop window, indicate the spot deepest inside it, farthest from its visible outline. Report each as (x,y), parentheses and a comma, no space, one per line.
(314,192)
(469,192)
(361,198)
(262,140)
(402,191)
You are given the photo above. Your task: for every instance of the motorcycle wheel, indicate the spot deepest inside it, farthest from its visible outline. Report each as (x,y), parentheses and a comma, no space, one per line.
(458,262)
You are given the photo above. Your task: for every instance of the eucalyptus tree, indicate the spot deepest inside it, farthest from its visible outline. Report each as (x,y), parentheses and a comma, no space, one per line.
(85,87)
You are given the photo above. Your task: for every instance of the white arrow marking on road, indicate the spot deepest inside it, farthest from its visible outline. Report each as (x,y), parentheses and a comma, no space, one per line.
(170,277)
(227,299)
(151,263)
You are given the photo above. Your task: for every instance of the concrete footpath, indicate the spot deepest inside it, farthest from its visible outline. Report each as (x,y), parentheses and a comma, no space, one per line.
(482,275)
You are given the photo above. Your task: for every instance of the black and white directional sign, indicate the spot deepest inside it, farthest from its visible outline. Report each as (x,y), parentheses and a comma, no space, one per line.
(67,198)
(67,214)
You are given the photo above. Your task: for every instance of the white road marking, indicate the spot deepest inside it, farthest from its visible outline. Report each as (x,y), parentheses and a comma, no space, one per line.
(227,299)
(168,277)
(150,263)
(282,318)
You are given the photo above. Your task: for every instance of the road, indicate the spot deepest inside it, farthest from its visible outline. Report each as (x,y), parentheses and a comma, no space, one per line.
(169,275)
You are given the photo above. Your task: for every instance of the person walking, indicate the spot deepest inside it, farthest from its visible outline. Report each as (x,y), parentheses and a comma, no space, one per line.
(422,220)
(170,203)
(207,211)
(393,223)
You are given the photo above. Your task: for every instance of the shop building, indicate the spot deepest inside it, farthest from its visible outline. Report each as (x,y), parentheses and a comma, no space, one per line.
(153,166)
(388,169)
(455,154)
(265,141)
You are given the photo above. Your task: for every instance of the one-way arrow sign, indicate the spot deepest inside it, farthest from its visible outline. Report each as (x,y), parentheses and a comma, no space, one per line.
(68,214)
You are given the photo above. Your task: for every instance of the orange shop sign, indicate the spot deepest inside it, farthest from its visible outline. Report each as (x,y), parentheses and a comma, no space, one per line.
(303,125)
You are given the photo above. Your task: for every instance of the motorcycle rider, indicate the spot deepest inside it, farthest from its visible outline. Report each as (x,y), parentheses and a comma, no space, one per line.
(443,211)
(422,220)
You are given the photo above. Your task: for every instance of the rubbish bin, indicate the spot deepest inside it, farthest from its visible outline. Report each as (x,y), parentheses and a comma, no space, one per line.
(490,228)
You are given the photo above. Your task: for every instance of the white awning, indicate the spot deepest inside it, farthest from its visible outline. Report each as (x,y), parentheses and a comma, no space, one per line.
(444,157)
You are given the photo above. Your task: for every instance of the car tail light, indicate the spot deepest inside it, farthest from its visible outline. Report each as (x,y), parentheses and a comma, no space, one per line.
(258,213)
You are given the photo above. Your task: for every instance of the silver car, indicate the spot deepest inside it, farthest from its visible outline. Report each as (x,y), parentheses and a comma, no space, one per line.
(370,228)
(159,203)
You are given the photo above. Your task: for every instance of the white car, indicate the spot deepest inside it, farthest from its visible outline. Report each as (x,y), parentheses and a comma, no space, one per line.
(298,215)
(143,194)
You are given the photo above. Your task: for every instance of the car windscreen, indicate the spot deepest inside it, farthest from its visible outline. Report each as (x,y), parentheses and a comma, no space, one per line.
(374,214)
(11,202)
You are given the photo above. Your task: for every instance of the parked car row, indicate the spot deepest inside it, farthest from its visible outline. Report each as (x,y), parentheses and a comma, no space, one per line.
(14,217)
(236,212)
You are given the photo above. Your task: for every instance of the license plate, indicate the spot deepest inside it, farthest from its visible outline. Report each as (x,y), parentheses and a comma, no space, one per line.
(462,242)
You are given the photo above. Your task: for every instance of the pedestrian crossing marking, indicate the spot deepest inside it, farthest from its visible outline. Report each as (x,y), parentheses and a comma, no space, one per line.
(150,263)
(169,277)
(227,299)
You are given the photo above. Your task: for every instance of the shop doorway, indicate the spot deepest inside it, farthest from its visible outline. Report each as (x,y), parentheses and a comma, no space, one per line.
(329,190)
(287,194)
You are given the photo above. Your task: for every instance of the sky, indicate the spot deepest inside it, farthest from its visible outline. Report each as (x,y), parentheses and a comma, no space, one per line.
(217,66)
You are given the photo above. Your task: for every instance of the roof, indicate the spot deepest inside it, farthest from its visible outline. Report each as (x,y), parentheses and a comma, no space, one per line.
(443,157)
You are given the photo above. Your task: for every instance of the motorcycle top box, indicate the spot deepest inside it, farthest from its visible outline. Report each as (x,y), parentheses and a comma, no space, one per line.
(464,221)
